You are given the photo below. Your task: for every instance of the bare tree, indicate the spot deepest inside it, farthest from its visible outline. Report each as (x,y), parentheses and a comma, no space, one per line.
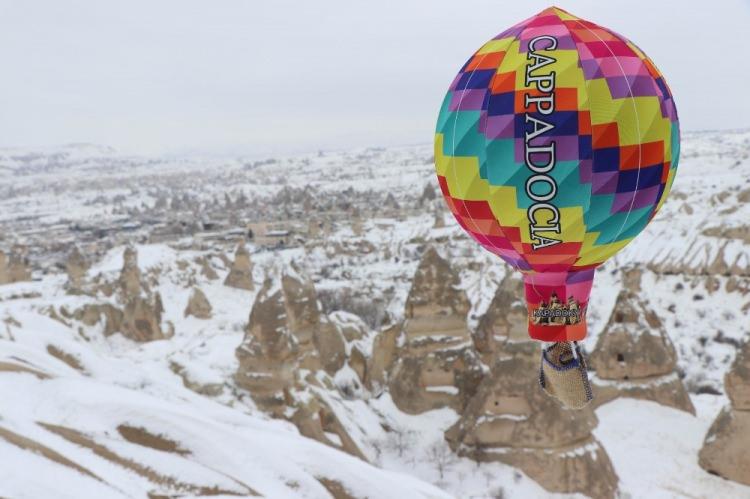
(441,456)
(400,439)
(377,447)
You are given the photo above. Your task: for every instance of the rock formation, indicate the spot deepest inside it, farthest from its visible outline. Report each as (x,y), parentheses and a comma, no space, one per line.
(634,357)
(329,345)
(631,278)
(268,352)
(315,419)
(288,338)
(198,305)
(76,267)
(140,317)
(436,366)
(91,314)
(436,308)
(438,215)
(241,272)
(511,420)
(142,313)
(352,327)
(130,275)
(725,450)
(505,319)
(14,267)
(302,313)
(141,321)
(317,341)
(384,350)
(206,269)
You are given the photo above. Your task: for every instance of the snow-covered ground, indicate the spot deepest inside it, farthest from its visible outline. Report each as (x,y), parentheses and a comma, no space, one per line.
(70,397)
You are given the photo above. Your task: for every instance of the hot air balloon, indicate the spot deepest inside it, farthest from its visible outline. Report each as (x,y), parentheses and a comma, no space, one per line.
(556,144)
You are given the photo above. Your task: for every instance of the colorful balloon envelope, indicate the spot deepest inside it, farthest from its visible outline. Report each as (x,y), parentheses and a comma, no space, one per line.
(556,144)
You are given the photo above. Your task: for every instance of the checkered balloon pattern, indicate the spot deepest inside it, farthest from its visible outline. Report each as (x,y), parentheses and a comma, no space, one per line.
(556,144)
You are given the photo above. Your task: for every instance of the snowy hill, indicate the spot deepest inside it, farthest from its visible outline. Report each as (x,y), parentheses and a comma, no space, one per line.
(108,424)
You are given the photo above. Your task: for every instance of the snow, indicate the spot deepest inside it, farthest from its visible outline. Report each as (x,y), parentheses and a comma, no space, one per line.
(450,390)
(245,446)
(653,448)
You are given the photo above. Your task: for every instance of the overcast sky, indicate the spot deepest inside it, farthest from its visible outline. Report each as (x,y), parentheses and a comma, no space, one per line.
(252,77)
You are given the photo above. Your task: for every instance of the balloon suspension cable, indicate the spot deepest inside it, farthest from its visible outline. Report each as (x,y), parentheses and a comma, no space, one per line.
(574,349)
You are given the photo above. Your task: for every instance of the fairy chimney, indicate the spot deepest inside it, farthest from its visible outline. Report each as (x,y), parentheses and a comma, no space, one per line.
(631,278)
(76,267)
(725,449)
(511,420)
(301,301)
(435,365)
(436,307)
(14,267)
(241,272)
(142,320)
(439,218)
(330,345)
(737,380)
(142,313)
(320,338)
(505,319)
(286,310)
(206,269)
(130,275)
(634,357)
(4,277)
(198,305)
(384,355)
(288,342)
(268,351)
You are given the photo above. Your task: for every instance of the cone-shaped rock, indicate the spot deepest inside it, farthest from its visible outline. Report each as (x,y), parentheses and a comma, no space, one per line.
(436,364)
(76,267)
(4,275)
(737,380)
(130,275)
(726,449)
(511,420)
(14,267)
(301,302)
(241,272)
(198,305)
(505,319)
(267,353)
(436,308)
(634,357)
(140,317)
(206,269)
(384,351)
(287,336)
(141,320)
(330,345)
(631,278)
(439,218)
